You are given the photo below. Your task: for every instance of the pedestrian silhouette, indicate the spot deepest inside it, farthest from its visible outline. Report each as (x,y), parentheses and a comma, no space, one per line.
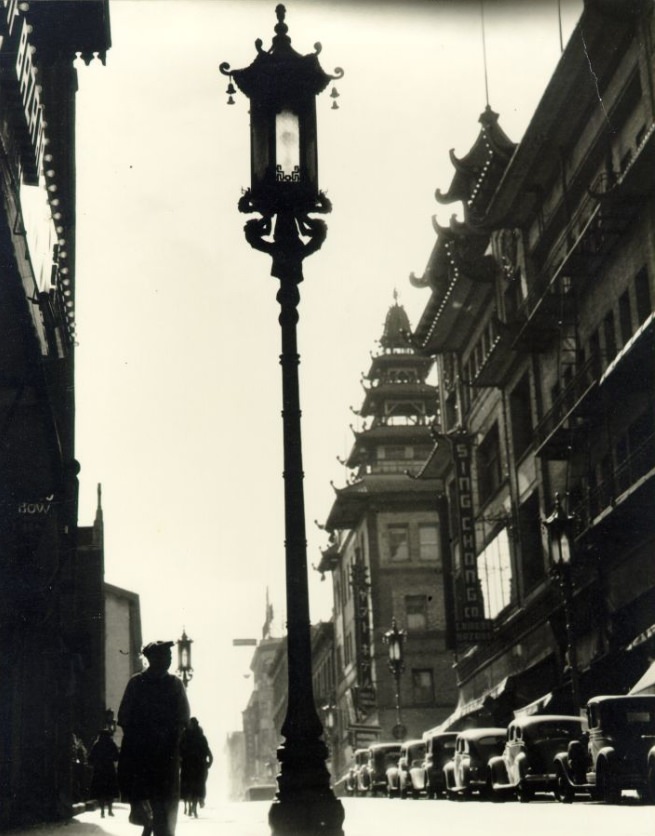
(104,782)
(153,714)
(195,760)
(79,766)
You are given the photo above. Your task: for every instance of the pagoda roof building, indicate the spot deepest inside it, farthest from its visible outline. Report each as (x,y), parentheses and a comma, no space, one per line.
(400,406)
(460,270)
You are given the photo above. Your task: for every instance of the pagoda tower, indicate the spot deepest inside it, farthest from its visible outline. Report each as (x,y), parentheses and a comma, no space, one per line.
(385,556)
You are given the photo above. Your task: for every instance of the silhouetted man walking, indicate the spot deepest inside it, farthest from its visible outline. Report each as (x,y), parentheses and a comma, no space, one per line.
(153,713)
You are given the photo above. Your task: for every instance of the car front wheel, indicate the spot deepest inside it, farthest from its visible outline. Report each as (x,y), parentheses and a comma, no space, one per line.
(607,792)
(524,792)
(563,791)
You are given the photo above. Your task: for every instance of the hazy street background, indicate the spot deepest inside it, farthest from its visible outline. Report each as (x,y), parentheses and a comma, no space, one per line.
(178,381)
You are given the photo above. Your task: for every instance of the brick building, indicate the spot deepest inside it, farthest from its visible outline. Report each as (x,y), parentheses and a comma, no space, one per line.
(385,557)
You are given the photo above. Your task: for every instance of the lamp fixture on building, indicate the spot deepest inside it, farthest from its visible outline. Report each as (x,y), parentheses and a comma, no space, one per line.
(395,641)
(559,526)
(184,669)
(282,86)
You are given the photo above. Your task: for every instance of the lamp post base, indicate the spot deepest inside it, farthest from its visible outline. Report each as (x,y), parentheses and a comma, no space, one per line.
(309,813)
(305,804)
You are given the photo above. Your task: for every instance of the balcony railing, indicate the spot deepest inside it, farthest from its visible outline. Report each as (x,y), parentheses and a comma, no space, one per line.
(572,396)
(625,475)
(585,237)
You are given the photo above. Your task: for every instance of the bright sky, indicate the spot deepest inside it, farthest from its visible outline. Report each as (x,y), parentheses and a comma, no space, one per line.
(178,380)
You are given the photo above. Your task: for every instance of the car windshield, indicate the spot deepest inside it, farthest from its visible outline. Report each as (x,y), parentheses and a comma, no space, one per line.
(391,759)
(551,731)
(633,719)
(490,745)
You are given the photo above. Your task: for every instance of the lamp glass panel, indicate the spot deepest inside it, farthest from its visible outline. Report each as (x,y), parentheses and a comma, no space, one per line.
(184,658)
(565,548)
(287,146)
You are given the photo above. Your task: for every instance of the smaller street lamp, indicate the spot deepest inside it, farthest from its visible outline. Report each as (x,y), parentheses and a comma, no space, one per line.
(559,526)
(395,640)
(184,669)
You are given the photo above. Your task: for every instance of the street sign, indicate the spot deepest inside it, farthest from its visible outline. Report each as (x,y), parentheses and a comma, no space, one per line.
(244,642)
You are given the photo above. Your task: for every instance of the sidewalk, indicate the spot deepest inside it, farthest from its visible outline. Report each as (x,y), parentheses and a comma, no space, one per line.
(385,817)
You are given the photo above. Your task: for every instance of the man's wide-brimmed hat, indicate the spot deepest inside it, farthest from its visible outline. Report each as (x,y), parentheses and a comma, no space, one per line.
(153,647)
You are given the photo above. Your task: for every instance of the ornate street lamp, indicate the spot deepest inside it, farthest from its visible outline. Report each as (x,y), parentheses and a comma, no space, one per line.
(282,86)
(560,540)
(395,641)
(184,669)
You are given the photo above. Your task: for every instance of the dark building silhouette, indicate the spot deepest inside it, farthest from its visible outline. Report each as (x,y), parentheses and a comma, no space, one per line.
(541,318)
(43,581)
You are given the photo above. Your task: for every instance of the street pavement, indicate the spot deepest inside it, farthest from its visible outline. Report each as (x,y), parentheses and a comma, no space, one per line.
(386,817)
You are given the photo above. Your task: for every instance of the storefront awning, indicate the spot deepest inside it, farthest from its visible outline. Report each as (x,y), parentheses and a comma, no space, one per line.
(473,706)
(646,685)
(638,340)
(642,637)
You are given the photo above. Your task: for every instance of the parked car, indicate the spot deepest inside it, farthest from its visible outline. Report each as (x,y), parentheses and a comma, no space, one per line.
(381,756)
(360,759)
(410,768)
(439,749)
(617,754)
(527,764)
(467,772)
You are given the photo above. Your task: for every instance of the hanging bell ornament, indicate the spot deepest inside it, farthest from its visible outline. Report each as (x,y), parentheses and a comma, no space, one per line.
(231,89)
(230,100)
(334,95)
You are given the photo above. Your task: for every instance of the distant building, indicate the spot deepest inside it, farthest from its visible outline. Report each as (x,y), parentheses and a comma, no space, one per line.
(47,655)
(385,557)
(542,319)
(235,755)
(123,643)
(261,734)
(88,683)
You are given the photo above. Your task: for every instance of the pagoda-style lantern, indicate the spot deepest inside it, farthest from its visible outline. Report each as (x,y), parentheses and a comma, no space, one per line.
(559,526)
(282,86)
(395,641)
(184,668)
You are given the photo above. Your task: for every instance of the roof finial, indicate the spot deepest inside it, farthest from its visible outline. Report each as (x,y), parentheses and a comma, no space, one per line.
(484,53)
(395,295)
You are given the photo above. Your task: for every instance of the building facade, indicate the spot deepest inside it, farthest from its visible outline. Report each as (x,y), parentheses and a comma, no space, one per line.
(122,645)
(39,585)
(541,319)
(261,734)
(385,558)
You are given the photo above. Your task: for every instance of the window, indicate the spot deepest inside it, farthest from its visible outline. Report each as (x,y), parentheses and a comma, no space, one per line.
(416,612)
(610,336)
(642,294)
(495,573)
(422,686)
(594,353)
(398,543)
(532,554)
(625,318)
(428,542)
(489,465)
(521,416)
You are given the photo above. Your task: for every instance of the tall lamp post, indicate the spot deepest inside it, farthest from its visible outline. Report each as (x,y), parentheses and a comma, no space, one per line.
(282,86)
(184,669)
(395,641)
(560,539)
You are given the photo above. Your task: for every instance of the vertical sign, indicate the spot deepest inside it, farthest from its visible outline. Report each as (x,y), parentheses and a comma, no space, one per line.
(365,693)
(471,626)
